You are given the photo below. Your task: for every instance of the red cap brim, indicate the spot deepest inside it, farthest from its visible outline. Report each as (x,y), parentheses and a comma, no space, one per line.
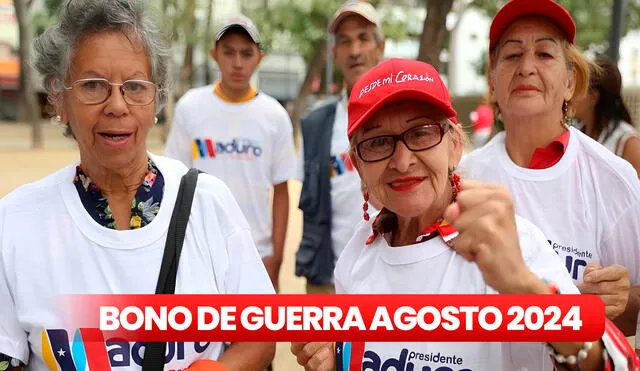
(515,9)
(404,95)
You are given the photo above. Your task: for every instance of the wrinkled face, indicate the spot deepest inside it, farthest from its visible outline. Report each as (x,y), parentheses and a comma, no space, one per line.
(237,57)
(530,75)
(356,48)
(113,133)
(408,183)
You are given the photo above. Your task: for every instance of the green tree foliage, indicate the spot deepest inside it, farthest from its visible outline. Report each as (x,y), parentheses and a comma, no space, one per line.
(52,6)
(302,24)
(592,17)
(297,25)
(43,19)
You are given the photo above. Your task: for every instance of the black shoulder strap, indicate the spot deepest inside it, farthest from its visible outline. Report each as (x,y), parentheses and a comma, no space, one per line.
(154,352)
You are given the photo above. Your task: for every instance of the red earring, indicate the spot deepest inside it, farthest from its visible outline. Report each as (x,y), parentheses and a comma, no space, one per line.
(365,206)
(454,179)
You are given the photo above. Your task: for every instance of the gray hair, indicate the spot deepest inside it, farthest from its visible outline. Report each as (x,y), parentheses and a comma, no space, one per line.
(54,49)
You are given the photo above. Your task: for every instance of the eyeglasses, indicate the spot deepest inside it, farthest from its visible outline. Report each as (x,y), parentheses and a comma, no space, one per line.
(418,138)
(96,91)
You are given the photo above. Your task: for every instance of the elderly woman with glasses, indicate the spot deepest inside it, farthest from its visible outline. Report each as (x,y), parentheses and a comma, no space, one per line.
(406,145)
(99,226)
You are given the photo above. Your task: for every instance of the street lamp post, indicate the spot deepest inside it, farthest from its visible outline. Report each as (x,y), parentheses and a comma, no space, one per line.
(617,27)
(329,66)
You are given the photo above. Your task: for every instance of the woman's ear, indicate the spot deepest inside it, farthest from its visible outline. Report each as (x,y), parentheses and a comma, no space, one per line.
(456,134)
(571,84)
(594,96)
(354,160)
(57,101)
(490,81)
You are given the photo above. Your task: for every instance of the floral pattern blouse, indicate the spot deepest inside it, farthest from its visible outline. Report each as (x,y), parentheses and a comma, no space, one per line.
(144,206)
(7,362)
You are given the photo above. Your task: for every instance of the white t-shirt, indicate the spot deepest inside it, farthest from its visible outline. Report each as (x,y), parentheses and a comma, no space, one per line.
(587,204)
(346,193)
(50,246)
(247,145)
(618,138)
(431,267)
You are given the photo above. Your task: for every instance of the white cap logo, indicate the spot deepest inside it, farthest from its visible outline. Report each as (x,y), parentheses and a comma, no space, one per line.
(399,78)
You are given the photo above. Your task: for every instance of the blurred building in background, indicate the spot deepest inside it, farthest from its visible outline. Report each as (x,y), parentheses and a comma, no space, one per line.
(9,62)
(630,59)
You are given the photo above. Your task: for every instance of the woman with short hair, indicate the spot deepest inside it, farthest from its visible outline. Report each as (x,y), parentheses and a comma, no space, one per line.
(99,226)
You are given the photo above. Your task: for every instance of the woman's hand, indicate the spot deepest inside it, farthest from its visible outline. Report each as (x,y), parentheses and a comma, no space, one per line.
(315,356)
(484,216)
(611,283)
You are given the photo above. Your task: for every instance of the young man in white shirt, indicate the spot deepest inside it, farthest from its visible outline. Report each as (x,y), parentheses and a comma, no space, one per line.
(332,199)
(242,136)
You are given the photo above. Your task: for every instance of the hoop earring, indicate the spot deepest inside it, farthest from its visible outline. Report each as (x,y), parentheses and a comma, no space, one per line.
(155,120)
(365,206)
(565,114)
(454,179)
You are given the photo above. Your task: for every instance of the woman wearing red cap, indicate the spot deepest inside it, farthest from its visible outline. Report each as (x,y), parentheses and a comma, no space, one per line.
(405,145)
(585,199)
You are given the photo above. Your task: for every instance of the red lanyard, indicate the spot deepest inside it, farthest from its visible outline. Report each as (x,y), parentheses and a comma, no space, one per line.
(439,228)
(442,228)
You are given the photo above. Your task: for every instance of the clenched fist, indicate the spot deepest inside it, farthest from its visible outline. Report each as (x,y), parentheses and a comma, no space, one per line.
(484,216)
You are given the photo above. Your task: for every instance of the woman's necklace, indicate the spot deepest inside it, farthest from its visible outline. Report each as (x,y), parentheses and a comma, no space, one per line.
(439,228)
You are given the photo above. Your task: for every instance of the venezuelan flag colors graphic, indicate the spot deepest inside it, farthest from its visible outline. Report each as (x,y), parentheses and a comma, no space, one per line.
(349,355)
(60,354)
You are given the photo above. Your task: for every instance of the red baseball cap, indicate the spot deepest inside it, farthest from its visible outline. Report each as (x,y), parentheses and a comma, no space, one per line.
(395,80)
(515,9)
